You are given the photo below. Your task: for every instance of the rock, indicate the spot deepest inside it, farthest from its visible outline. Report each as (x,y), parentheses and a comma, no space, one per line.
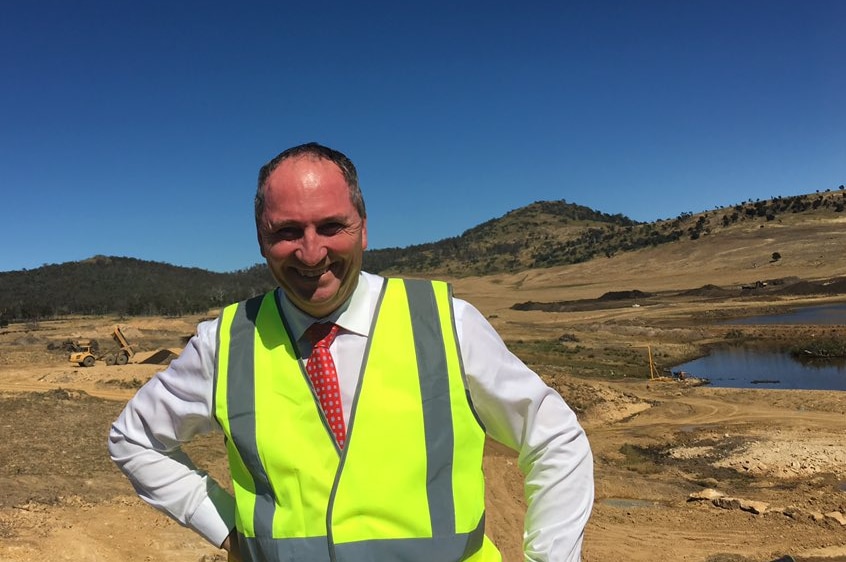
(835,516)
(726,502)
(799,514)
(753,506)
(796,513)
(709,494)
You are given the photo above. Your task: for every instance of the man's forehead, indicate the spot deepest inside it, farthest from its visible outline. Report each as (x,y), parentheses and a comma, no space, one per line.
(306,172)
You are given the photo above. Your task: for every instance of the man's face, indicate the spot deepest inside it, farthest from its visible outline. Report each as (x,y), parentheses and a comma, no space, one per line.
(311,234)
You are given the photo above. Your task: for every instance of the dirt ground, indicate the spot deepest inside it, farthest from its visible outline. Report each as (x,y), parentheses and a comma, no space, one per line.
(773,461)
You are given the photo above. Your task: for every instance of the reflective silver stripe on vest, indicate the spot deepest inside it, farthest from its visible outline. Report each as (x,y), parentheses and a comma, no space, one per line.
(445,544)
(240,392)
(434,389)
(267,549)
(436,549)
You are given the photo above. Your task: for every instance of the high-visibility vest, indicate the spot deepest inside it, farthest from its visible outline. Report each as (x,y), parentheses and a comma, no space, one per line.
(407,486)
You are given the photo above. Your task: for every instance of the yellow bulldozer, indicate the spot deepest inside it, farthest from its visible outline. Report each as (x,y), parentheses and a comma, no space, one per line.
(83,352)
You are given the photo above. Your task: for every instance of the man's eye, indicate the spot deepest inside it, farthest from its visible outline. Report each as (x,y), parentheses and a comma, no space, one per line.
(330,229)
(288,233)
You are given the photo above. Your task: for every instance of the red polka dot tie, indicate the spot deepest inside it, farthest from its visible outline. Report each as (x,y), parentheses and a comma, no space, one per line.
(324,378)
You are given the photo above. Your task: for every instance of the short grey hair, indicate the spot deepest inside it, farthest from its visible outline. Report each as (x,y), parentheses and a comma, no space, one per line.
(318,151)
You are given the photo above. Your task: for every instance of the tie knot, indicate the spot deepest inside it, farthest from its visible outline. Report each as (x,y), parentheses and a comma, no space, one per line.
(322,334)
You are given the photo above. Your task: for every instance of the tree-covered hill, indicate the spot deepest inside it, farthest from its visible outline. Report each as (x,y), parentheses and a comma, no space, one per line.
(119,285)
(553,233)
(518,240)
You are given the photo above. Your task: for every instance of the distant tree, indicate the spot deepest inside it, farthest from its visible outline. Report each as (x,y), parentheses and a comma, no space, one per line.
(776,256)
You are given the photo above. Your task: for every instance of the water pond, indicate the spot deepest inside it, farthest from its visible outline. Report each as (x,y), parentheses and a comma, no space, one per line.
(821,315)
(739,367)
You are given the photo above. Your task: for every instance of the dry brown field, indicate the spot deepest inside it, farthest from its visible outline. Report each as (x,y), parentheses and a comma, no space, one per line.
(780,453)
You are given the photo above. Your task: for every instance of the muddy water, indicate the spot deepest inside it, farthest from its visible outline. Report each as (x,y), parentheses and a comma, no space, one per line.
(738,367)
(821,315)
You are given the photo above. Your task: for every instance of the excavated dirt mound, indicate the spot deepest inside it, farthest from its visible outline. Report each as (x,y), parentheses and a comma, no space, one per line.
(160,357)
(709,291)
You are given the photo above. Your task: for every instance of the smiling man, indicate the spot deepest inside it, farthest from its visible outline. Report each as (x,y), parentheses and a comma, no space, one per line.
(355,407)
(310,232)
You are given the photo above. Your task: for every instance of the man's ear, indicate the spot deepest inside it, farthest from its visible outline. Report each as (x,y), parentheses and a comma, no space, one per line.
(364,234)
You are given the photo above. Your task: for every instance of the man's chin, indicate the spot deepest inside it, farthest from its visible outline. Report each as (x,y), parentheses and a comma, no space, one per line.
(314,299)
(313,304)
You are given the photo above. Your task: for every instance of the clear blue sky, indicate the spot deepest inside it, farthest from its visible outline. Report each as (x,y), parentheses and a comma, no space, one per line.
(137,128)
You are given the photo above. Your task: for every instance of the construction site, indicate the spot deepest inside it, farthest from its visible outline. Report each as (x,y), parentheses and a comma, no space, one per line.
(87,352)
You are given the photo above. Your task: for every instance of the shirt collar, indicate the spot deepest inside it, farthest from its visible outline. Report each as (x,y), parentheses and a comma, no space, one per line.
(353,316)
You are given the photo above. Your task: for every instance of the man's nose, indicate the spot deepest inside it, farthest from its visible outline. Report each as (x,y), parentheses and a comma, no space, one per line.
(312,251)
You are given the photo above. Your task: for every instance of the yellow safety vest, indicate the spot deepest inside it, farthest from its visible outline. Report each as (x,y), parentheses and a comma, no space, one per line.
(407,486)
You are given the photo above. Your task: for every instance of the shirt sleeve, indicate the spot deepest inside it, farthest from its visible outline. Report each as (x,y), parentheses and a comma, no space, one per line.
(522,412)
(144,442)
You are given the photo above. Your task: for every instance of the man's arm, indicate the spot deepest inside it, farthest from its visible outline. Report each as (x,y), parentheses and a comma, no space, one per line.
(522,412)
(144,442)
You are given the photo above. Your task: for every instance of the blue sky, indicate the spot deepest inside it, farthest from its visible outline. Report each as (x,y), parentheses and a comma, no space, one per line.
(137,128)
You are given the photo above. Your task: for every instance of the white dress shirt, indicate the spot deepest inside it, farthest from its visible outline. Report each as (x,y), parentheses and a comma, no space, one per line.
(515,406)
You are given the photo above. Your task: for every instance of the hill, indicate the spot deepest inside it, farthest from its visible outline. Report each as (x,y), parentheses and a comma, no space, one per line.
(531,242)
(543,233)
(123,286)
(548,234)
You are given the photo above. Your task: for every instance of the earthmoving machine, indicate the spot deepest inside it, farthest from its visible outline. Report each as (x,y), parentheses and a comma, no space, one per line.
(83,352)
(125,352)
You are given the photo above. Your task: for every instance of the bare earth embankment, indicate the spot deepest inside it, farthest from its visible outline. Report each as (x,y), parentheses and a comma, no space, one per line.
(683,472)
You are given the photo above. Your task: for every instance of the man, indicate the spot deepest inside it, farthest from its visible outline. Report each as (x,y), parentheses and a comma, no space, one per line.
(363,441)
